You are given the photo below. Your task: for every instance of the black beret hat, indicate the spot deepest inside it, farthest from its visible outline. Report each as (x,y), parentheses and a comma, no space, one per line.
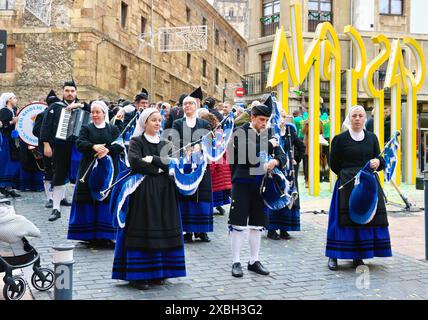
(262,110)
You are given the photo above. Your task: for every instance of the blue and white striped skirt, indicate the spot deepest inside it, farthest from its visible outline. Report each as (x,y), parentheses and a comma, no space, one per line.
(284,219)
(354,243)
(220,198)
(31,181)
(138,264)
(90,221)
(9,169)
(197,216)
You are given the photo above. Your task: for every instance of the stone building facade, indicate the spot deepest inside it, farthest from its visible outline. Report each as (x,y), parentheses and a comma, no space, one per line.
(236,13)
(97,42)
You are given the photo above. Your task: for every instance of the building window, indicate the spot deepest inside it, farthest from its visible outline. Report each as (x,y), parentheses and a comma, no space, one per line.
(217,37)
(143,24)
(7,4)
(391,7)
(188,14)
(204,21)
(231,13)
(189,60)
(270,19)
(225,46)
(123,14)
(10,58)
(204,68)
(123,72)
(217,76)
(238,55)
(319,11)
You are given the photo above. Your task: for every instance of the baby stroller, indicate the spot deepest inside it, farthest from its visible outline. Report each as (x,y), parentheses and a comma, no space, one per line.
(14,228)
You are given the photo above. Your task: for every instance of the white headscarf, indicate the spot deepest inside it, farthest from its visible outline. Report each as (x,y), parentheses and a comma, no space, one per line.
(103,107)
(357,136)
(140,127)
(5,97)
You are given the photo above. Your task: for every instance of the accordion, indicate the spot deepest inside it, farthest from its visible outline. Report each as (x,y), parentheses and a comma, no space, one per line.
(70,123)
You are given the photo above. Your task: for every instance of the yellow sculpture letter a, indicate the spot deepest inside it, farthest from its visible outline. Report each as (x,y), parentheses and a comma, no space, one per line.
(330,71)
(279,72)
(395,77)
(414,84)
(308,64)
(352,75)
(378,95)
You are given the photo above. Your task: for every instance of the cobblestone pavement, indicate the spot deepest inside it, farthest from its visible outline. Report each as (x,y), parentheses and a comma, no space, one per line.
(298,266)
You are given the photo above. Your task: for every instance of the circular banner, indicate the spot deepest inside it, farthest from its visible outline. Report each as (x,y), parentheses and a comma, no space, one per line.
(26,119)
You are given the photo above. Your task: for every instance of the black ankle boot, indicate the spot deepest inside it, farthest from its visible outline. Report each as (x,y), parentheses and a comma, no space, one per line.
(332,264)
(188,237)
(203,236)
(273,235)
(284,235)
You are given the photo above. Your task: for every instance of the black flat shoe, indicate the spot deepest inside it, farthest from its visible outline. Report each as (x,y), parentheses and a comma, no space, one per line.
(140,284)
(257,267)
(65,203)
(55,215)
(237,270)
(4,192)
(358,262)
(203,236)
(12,193)
(332,264)
(188,237)
(273,235)
(284,235)
(49,204)
(158,282)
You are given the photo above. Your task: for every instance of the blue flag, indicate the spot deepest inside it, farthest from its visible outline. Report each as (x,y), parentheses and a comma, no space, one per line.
(390,156)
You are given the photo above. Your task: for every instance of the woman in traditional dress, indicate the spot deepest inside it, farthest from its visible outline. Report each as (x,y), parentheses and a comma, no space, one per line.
(350,151)
(91,220)
(287,219)
(9,147)
(196,210)
(150,247)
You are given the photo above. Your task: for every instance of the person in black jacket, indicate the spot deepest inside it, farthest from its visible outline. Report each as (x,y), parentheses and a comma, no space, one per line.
(210,104)
(196,210)
(247,209)
(175,113)
(9,148)
(59,150)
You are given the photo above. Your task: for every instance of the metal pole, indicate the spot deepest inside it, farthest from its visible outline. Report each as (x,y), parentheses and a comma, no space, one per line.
(151,49)
(63,263)
(426,211)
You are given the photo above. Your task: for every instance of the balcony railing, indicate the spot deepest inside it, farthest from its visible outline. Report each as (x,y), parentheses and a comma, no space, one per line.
(255,83)
(269,25)
(7,4)
(316,17)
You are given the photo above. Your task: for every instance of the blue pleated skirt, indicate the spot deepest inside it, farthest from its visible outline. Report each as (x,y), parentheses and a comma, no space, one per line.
(354,243)
(75,161)
(135,264)
(31,181)
(197,216)
(284,219)
(220,198)
(90,221)
(9,169)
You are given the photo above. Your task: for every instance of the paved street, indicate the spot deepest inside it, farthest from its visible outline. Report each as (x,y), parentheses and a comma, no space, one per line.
(298,266)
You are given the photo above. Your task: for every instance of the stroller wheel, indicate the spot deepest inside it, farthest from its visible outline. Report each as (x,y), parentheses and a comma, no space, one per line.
(45,281)
(16,290)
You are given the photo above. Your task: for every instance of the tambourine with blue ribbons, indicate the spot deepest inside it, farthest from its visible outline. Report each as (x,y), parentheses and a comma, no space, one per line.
(215,149)
(188,172)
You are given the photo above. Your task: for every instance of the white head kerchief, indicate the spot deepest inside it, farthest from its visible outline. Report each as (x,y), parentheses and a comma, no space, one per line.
(5,97)
(104,108)
(140,127)
(357,136)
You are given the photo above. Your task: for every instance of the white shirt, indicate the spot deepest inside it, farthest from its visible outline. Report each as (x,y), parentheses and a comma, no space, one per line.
(100,126)
(357,136)
(152,139)
(191,122)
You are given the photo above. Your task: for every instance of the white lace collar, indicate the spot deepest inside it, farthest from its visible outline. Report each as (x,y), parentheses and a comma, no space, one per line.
(357,136)
(100,126)
(191,122)
(152,139)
